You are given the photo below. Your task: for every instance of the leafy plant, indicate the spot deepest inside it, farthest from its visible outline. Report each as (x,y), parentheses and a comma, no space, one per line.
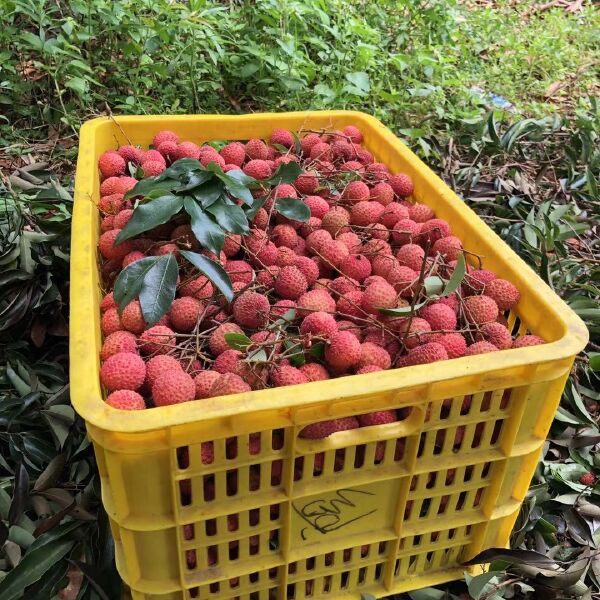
(210,199)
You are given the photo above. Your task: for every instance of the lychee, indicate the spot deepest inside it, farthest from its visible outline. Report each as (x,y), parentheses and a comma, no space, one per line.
(151,168)
(281,308)
(160,364)
(439,316)
(307,183)
(123,371)
(365,213)
(107,223)
(333,253)
(200,288)
(314,372)
(412,256)
(404,280)
(317,205)
(425,354)
(284,235)
(111,164)
(449,247)
(217,342)
(122,218)
(350,304)
(353,133)
(433,230)
(318,324)
(588,479)
(257,149)
(227,384)
(335,221)
(226,361)
(368,369)
(323,429)
(117,185)
(454,343)
(415,332)
(131,154)
(110,321)
(321,151)
(308,268)
(317,300)
(290,283)
(286,375)
(356,191)
(184,313)
(356,266)
(109,249)
(317,239)
(477,281)
(282,137)
(495,333)
(126,400)
(111,205)
(505,294)
(527,340)
(164,136)
(157,340)
(378,295)
(480,348)
(168,150)
(259,169)
(383,193)
(239,270)
(187,150)
(480,310)
(380,417)
(420,213)
(107,302)
(133,318)
(352,166)
(372,354)
(251,309)
(402,184)
(343,350)
(308,141)
(377,171)
(234,153)
(173,387)
(204,381)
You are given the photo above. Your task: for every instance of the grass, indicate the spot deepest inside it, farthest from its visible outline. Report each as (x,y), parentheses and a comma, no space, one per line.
(431,70)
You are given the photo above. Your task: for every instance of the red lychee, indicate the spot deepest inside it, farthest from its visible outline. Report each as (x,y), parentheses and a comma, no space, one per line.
(314,372)
(257,149)
(422,355)
(317,300)
(402,184)
(480,348)
(126,400)
(173,387)
(503,292)
(111,164)
(412,256)
(449,247)
(372,354)
(439,316)
(184,313)
(420,212)
(123,371)
(454,343)
(356,191)
(495,333)
(259,169)
(251,309)
(109,249)
(527,340)
(286,375)
(343,350)
(335,221)
(282,137)
(110,321)
(157,340)
(204,381)
(318,324)
(480,310)
(380,417)
(227,384)
(378,295)
(317,205)
(164,136)
(118,341)
(290,283)
(383,193)
(323,429)
(159,364)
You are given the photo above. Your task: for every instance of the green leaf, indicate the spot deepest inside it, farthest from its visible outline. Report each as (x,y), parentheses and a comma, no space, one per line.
(209,192)
(150,214)
(236,183)
(213,270)
(183,166)
(130,280)
(594,361)
(194,179)
(32,567)
(238,341)
(457,276)
(230,217)
(252,210)
(158,288)
(20,494)
(208,233)
(479,585)
(403,311)
(287,317)
(292,209)
(259,355)
(286,173)
(317,350)
(152,185)
(360,79)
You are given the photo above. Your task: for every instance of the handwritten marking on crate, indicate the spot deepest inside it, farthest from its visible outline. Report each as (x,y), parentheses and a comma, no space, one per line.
(345,511)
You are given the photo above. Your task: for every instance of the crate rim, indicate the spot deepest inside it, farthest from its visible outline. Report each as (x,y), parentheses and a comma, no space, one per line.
(86,394)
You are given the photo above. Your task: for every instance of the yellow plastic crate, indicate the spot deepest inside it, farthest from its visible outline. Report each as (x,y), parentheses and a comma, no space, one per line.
(453,487)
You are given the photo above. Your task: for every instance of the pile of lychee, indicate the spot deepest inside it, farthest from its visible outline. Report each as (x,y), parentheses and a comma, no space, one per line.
(308,295)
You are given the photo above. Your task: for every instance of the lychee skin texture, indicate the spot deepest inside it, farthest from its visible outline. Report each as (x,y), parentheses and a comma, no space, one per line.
(425,354)
(343,350)
(368,369)
(365,213)
(282,137)
(157,340)
(285,375)
(372,354)
(259,169)
(119,341)
(335,221)
(393,213)
(204,381)
(108,302)
(527,340)
(356,191)
(439,316)
(110,322)
(126,400)
(251,309)
(317,300)
(350,304)
(308,268)
(503,292)
(480,348)
(109,249)
(356,267)
(226,361)
(111,164)
(239,271)
(164,136)
(449,247)
(122,218)
(132,317)
(234,153)
(291,283)
(480,309)
(402,185)
(454,343)
(412,256)
(307,183)
(257,149)
(160,364)
(383,193)
(380,417)
(323,429)
(173,388)
(378,294)
(495,333)
(284,235)
(184,313)
(334,253)
(477,281)
(117,185)
(588,479)
(318,206)
(420,213)
(353,133)
(319,324)
(123,371)
(131,154)
(314,372)
(217,342)
(152,168)
(227,384)
(308,141)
